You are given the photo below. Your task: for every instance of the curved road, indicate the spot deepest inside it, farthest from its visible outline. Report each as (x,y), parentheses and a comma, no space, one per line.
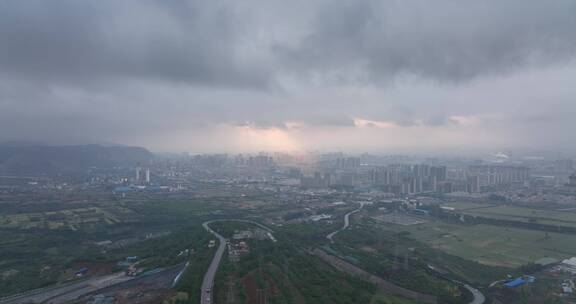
(346,222)
(208,282)
(478,296)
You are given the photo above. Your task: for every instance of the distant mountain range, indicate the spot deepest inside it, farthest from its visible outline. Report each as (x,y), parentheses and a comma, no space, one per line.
(38,159)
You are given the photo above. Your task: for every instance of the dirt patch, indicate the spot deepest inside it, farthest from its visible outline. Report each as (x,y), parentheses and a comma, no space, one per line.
(368,249)
(250,287)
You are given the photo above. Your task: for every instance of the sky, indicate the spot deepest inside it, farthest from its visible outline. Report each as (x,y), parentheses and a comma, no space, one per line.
(300,75)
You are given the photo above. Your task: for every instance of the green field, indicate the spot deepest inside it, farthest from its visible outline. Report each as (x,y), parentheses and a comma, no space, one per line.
(493,245)
(465,205)
(72,219)
(516,213)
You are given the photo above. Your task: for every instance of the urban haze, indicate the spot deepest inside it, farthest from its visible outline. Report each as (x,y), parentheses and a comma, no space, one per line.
(305,151)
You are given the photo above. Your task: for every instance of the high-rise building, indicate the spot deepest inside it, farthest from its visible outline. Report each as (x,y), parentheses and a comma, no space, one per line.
(473,185)
(318,180)
(440,173)
(445,187)
(260,161)
(348,163)
(433,182)
(493,175)
(564,165)
(409,179)
(137,174)
(142,175)
(572,180)
(421,170)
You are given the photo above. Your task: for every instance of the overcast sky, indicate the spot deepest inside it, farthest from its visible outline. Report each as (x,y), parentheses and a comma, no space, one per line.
(358,75)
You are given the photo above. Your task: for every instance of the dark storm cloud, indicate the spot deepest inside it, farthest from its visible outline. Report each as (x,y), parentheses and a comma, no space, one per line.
(441,39)
(68,40)
(208,41)
(114,70)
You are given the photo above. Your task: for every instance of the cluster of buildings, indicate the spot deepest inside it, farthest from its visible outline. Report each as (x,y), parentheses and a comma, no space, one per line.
(142,176)
(141,182)
(516,179)
(396,175)
(237,246)
(408,179)
(261,160)
(236,250)
(411,179)
(493,175)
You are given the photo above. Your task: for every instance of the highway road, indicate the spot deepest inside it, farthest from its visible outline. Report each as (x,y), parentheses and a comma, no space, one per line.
(208,281)
(68,292)
(346,222)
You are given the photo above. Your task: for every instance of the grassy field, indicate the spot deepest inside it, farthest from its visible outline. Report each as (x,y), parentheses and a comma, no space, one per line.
(72,219)
(492,245)
(466,205)
(507,212)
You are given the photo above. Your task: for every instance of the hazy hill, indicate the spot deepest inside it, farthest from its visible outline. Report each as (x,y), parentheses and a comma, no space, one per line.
(16,159)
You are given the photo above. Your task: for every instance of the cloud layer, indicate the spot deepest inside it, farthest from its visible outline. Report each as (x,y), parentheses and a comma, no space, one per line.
(443,40)
(229,75)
